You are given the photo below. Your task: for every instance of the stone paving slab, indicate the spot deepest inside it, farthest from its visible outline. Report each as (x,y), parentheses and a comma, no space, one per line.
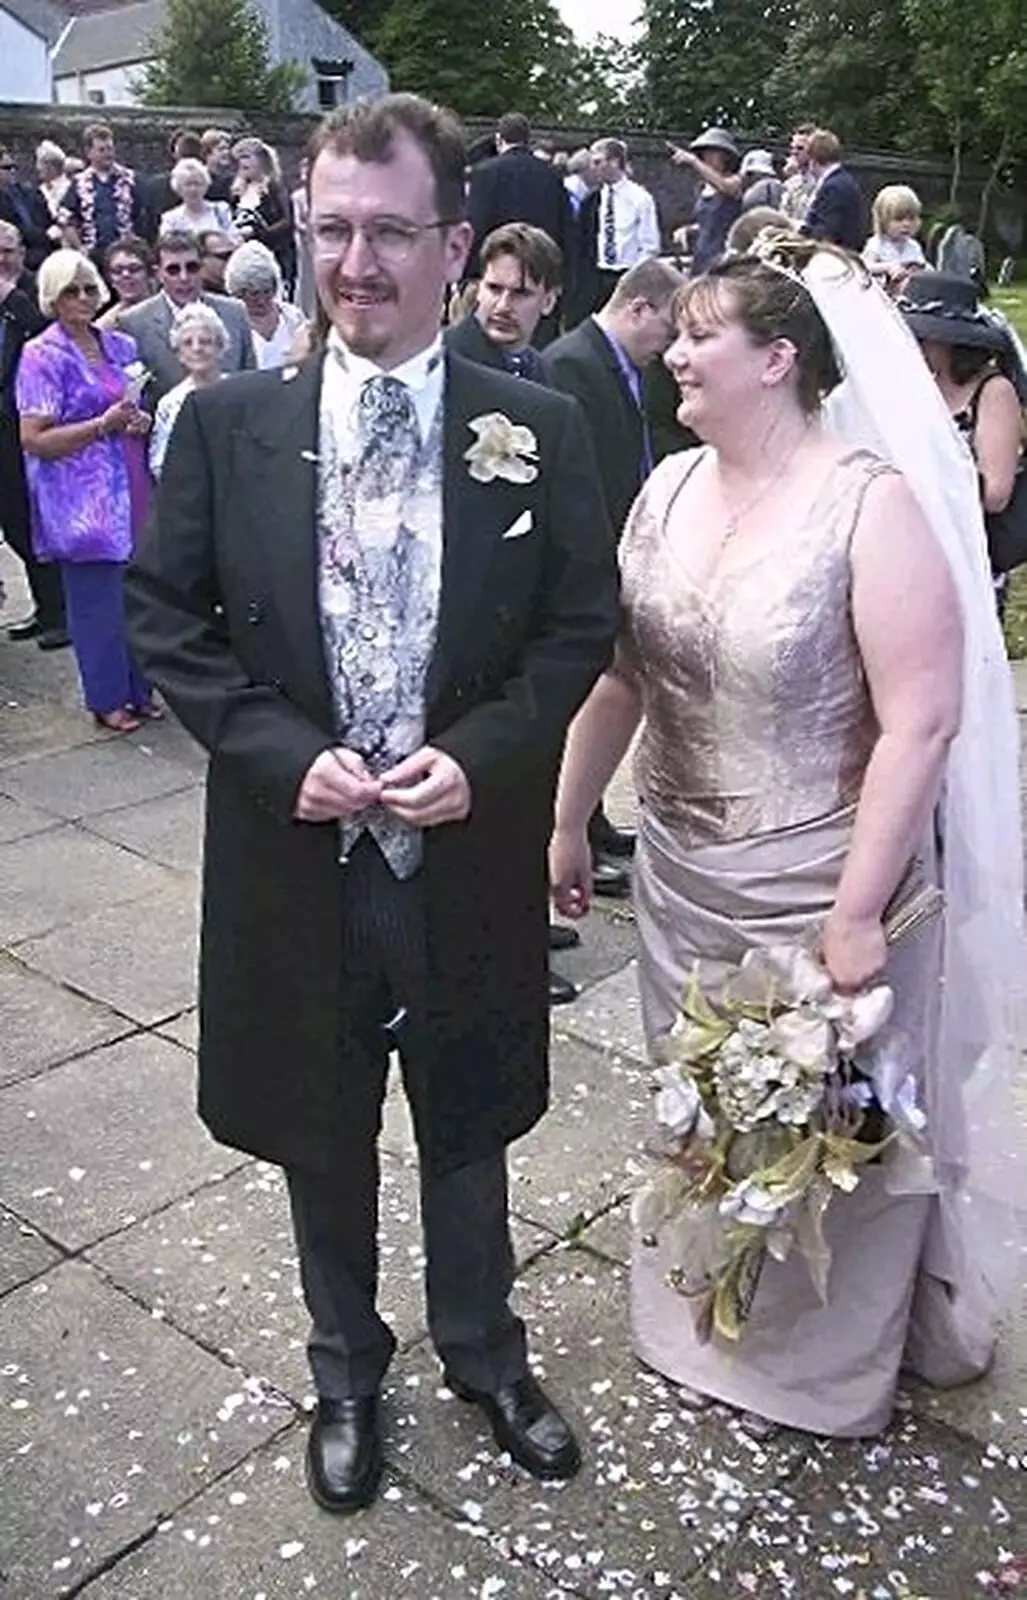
(169,740)
(41,1023)
(660,1490)
(139,957)
(24,1253)
(107,1417)
(258,1536)
(607,941)
(93,1145)
(59,877)
(608,1016)
(913,1516)
(185,1029)
(95,777)
(19,821)
(221,1265)
(166,830)
(585,1151)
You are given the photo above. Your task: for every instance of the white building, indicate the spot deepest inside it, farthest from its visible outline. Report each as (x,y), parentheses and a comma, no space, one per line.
(105,50)
(29,31)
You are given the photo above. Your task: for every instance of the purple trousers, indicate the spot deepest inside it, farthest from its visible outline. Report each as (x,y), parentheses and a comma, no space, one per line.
(94,600)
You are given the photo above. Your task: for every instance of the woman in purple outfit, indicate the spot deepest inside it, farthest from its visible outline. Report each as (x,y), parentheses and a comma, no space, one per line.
(82,432)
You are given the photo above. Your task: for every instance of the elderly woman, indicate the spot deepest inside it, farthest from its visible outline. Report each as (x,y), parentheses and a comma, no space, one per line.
(82,433)
(199,340)
(253,276)
(128,268)
(53,183)
(797,759)
(261,206)
(190,180)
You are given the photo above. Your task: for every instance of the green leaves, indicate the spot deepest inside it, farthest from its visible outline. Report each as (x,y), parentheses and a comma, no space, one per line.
(215,53)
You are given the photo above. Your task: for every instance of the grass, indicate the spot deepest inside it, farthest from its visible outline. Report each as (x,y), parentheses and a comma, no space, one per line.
(1013,302)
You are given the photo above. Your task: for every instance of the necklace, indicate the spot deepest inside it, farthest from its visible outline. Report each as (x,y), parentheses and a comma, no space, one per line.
(734,518)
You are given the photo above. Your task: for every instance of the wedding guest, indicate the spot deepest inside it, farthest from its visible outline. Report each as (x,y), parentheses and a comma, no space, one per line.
(196,212)
(82,432)
(969,356)
(579,179)
(836,212)
(254,277)
(797,732)
(20,320)
(105,201)
(178,274)
(216,150)
(714,157)
(618,226)
(384,728)
(751,224)
(199,340)
(260,203)
(216,250)
(514,186)
(24,207)
(305,291)
(761,185)
(800,178)
(894,245)
(128,268)
(53,182)
(162,195)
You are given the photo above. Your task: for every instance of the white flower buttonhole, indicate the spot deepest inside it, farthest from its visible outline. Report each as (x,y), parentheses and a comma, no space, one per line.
(501,449)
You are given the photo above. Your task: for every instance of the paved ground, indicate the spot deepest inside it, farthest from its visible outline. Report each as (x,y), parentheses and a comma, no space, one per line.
(152,1376)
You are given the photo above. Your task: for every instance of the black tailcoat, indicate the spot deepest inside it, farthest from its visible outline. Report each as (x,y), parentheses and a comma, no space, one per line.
(222,604)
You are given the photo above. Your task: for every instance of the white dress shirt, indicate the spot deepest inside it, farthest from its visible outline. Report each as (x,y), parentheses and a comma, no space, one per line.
(636,228)
(345,375)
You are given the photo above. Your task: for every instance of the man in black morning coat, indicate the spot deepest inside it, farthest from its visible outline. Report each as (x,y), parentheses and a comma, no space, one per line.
(349,910)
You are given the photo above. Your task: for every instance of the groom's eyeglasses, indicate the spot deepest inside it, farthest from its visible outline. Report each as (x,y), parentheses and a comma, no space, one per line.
(390,240)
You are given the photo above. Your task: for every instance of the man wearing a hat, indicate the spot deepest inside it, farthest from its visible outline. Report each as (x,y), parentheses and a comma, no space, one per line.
(714,158)
(761,185)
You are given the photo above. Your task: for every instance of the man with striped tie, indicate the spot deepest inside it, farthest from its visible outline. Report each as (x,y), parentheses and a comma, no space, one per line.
(617,228)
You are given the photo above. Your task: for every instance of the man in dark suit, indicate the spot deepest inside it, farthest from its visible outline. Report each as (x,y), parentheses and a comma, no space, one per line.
(602,363)
(515,186)
(377,587)
(520,283)
(24,207)
(20,320)
(837,210)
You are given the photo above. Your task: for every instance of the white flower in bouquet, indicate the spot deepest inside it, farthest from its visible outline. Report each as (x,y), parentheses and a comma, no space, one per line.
(679,1106)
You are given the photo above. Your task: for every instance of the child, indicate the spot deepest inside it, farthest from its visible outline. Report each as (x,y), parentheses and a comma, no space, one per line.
(894,243)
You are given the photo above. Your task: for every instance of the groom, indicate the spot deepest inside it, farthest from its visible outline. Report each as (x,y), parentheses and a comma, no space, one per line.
(378,607)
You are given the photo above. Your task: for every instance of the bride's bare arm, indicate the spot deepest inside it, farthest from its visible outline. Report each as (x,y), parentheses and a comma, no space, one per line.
(907,622)
(597,743)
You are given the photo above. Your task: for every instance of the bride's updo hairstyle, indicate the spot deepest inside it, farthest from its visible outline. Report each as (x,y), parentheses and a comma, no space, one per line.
(768,298)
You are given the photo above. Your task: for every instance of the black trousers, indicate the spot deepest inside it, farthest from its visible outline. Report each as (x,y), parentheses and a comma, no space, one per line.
(470,1265)
(43,577)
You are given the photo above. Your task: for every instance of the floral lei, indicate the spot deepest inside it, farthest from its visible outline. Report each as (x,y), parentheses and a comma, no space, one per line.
(124,196)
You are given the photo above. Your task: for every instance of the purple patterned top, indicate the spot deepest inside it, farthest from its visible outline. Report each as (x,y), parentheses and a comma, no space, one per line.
(86,506)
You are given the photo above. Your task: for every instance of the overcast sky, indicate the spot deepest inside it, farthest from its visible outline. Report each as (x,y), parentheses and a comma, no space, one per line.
(588,17)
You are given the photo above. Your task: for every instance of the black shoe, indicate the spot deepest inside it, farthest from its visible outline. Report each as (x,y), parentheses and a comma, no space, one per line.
(561,990)
(610,880)
(563,938)
(344,1454)
(53,639)
(528,1426)
(606,840)
(29,629)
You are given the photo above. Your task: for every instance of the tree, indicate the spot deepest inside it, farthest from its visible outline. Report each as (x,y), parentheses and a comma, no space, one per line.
(215,53)
(850,65)
(607,86)
(480,59)
(708,61)
(361,17)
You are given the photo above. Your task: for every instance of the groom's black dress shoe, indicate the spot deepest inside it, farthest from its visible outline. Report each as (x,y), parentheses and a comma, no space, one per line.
(344,1453)
(528,1426)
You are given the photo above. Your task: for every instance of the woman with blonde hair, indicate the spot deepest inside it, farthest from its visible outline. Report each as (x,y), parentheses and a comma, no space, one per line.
(82,431)
(53,182)
(896,222)
(261,207)
(190,180)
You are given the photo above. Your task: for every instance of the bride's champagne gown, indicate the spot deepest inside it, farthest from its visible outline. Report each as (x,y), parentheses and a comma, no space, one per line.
(758,727)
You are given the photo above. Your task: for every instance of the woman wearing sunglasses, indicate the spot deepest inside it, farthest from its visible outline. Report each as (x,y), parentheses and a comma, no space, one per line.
(82,433)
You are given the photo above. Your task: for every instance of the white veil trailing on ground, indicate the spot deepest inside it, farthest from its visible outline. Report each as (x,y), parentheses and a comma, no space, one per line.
(977,1091)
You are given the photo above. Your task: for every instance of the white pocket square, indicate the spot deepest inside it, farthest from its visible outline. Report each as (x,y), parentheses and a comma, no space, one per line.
(518,529)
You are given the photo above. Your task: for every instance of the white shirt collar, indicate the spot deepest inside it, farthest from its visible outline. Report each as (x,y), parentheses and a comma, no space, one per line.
(414,372)
(345,374)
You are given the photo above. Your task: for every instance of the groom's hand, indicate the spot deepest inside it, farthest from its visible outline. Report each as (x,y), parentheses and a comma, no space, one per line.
(337,785)
(427,788)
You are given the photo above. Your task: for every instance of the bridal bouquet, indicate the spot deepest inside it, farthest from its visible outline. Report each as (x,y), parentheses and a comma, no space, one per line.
(770,1097)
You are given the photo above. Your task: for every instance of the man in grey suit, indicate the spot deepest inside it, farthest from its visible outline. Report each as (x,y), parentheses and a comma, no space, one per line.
(178,272)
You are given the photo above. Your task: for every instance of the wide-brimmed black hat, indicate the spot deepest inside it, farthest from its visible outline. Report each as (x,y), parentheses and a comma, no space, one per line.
(947,309)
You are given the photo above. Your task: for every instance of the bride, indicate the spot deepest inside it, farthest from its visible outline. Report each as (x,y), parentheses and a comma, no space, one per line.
(810,653)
